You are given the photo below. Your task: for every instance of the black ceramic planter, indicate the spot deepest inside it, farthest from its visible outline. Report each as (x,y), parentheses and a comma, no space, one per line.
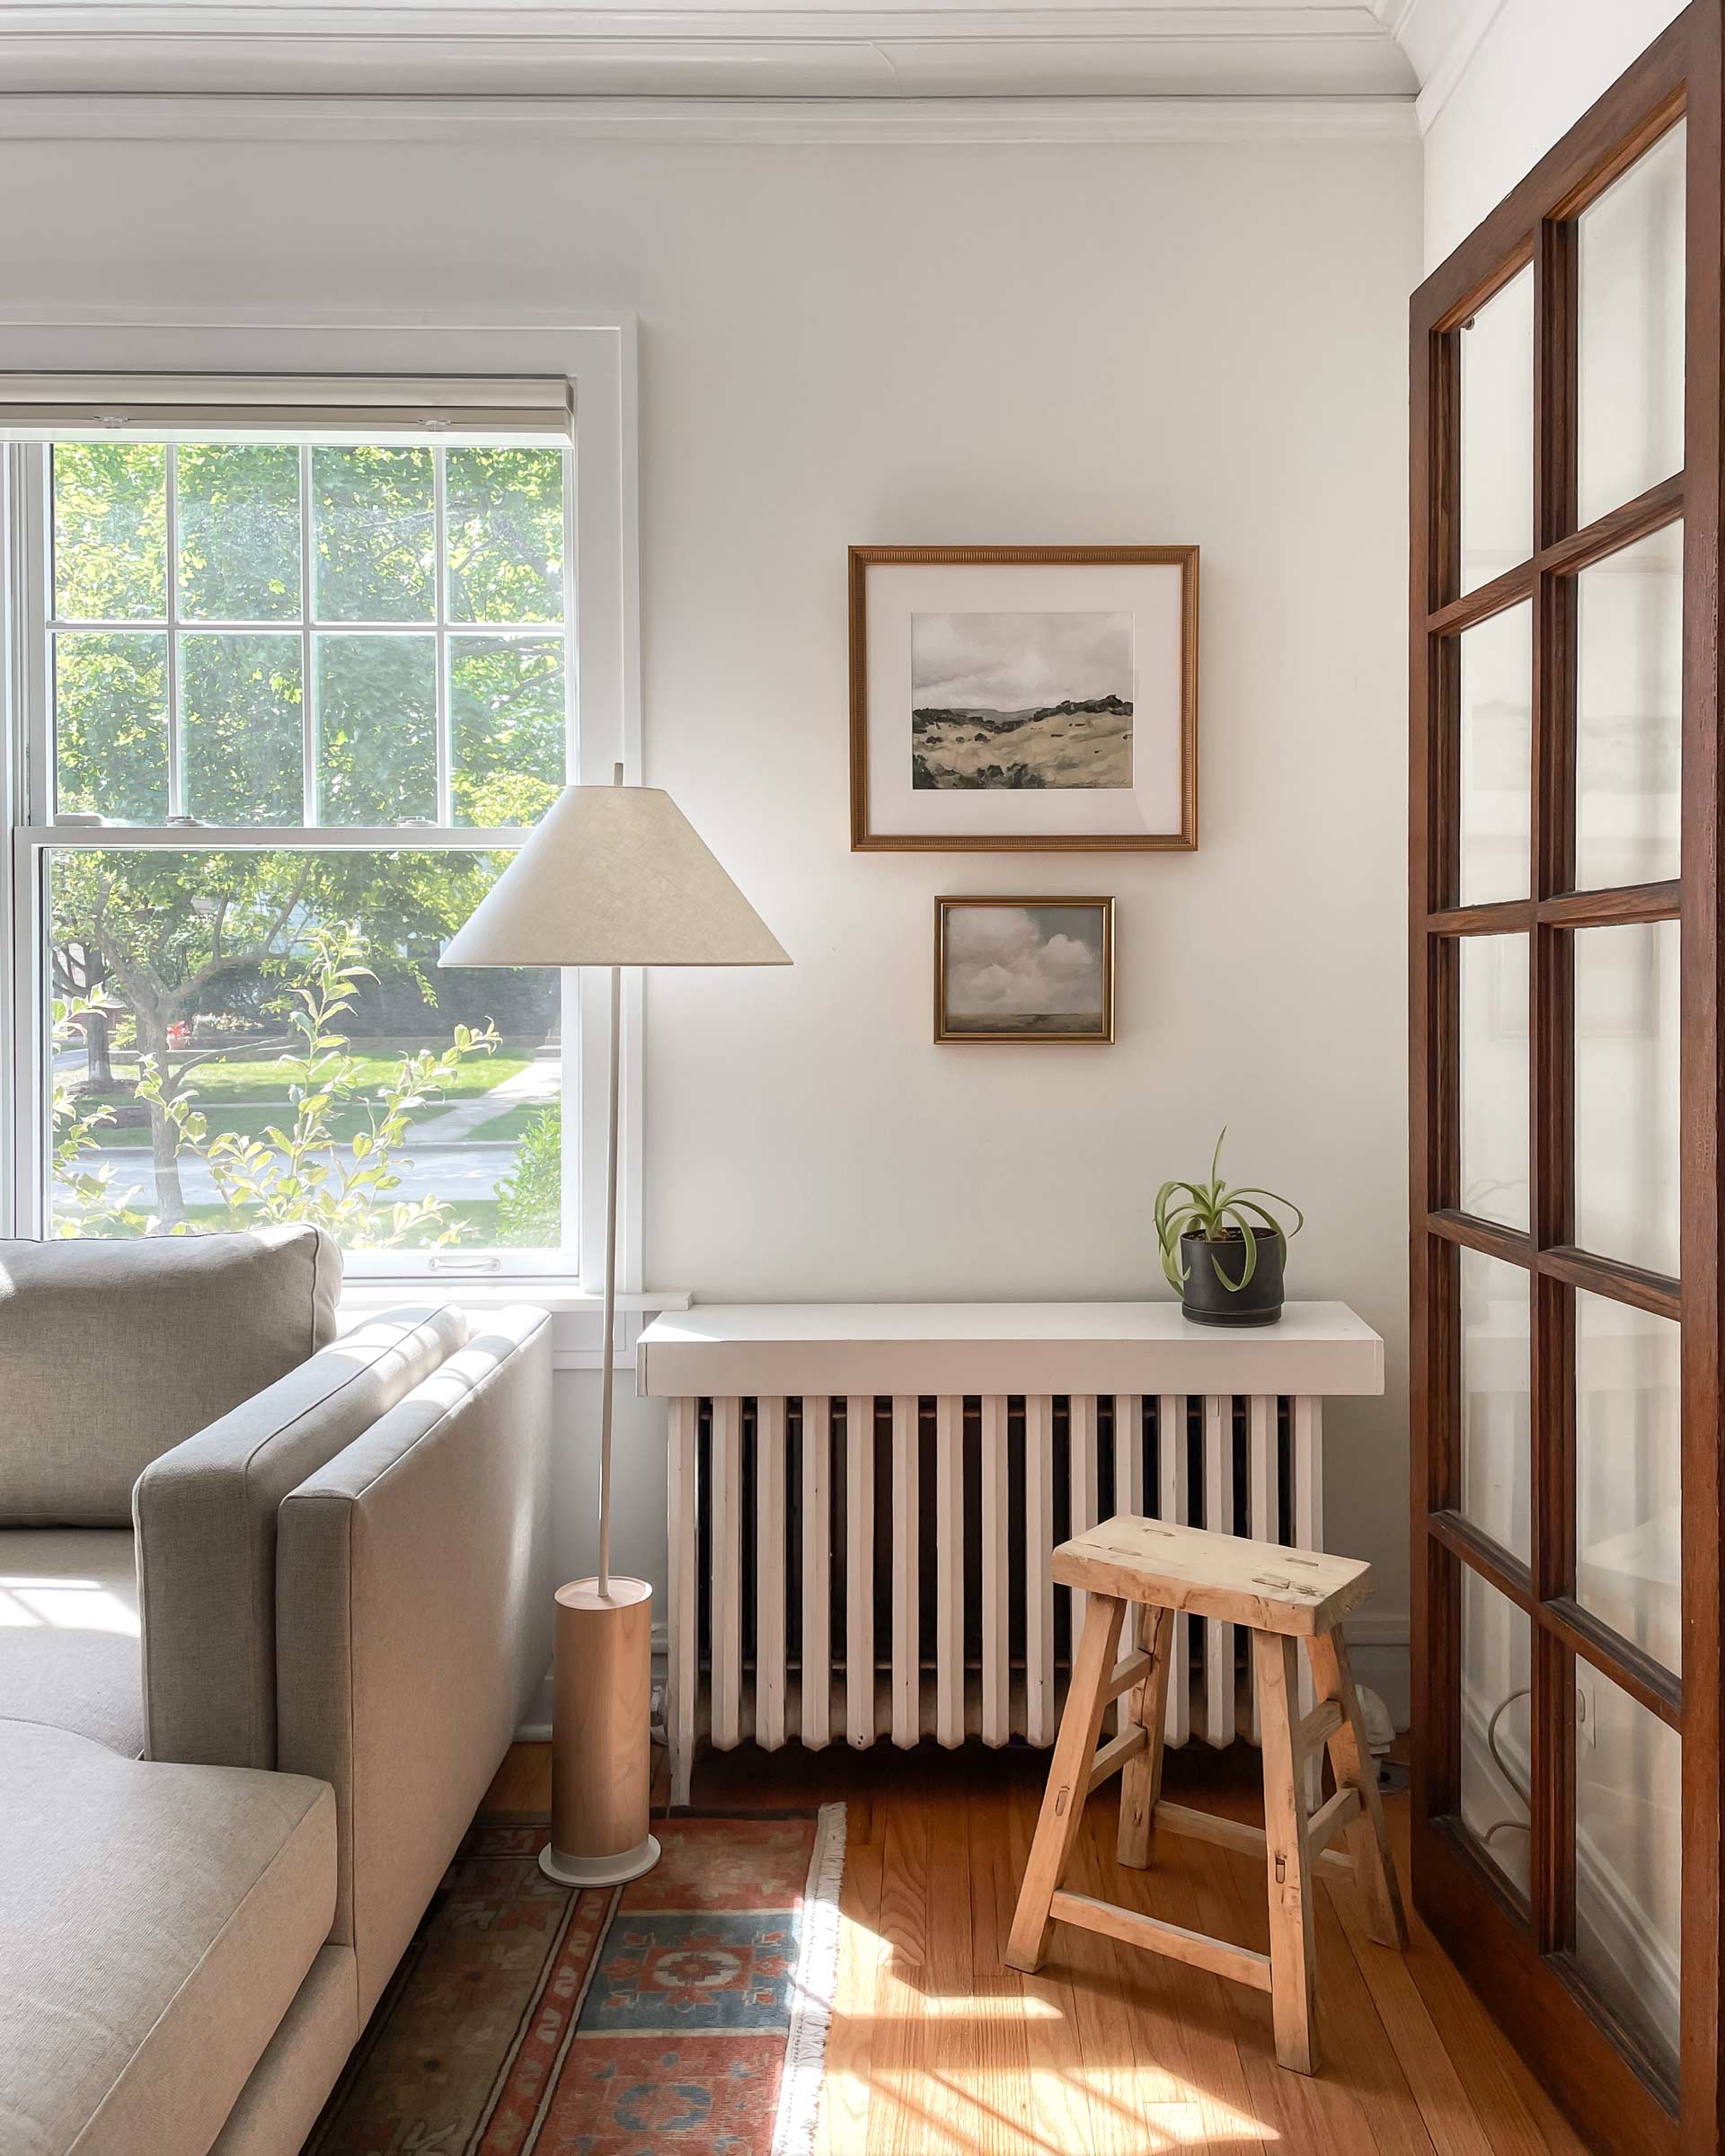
(1208,1299)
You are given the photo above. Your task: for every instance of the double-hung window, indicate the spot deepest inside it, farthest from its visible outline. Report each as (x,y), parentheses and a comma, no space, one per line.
(293,669)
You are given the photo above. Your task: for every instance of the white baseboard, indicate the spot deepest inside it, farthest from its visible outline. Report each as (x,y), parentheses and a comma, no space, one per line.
(1377,1647)
(535,1724)
(1378,1651)
(535,1727)
(1388,1672)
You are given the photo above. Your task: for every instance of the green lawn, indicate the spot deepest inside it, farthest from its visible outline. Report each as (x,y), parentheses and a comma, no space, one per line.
(246,1094)
(512,1125)
(252,1119)
(245,1119)
(266,1079)
(479,1215)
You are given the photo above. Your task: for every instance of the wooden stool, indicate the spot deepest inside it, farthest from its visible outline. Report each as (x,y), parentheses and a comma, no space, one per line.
(1282,1596)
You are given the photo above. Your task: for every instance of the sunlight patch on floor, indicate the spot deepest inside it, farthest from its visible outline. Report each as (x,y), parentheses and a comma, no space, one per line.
(1034,2113)
(987,2006)
(1015,2087)
(66,1605)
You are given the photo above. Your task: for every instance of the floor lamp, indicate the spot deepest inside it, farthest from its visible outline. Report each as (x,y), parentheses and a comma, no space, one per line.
(613,876)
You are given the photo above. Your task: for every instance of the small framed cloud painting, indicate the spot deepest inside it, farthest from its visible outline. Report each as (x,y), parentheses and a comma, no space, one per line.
(1023,698)
(1024,969)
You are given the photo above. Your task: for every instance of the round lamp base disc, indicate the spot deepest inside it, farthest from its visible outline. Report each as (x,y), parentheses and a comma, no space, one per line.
(598,1872)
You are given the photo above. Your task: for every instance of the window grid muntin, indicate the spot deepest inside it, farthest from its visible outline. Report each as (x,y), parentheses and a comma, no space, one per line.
(309,625)
(176,759)
(307,672)
(440,603)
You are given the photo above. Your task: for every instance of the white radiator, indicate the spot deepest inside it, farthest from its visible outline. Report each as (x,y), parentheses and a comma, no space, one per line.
(865,1568)
(876,1565)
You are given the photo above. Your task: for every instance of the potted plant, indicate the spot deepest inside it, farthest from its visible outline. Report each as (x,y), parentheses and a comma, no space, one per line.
(1222,1248)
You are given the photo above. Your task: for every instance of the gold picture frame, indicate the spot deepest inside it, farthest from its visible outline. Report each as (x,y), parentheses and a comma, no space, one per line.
(1164,794)
(1010,947)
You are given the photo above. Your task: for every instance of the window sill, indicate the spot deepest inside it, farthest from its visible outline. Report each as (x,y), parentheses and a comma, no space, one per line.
(576,1314)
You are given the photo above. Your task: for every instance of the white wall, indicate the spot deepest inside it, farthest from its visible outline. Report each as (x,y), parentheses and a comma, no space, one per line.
(977,343)
(1535,72)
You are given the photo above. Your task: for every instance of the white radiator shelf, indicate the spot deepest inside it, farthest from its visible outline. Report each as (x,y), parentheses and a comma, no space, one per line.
(934,1348)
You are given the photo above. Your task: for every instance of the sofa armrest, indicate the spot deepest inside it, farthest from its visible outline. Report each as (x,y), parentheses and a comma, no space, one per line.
(413,1624)
(205,1514)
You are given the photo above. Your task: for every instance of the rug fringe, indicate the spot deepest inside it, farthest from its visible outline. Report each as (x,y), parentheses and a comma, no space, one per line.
(811,1999)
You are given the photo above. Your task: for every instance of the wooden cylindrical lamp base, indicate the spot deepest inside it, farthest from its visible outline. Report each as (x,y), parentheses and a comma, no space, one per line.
(600,1764)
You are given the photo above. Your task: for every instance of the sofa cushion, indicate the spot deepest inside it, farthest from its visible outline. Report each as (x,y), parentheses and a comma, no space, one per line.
(206,1518)
(113,1352)
(155,1926)
(68,1633)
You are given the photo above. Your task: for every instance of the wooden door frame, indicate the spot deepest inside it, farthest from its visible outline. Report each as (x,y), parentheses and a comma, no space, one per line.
(1519,1960)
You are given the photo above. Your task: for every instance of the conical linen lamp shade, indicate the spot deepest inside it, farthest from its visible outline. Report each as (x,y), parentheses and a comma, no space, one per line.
(614,876)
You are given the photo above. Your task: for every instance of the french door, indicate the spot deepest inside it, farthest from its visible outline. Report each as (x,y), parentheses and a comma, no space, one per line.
(1567,390)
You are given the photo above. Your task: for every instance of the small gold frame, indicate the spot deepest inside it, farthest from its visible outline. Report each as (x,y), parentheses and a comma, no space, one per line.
(1103,1037)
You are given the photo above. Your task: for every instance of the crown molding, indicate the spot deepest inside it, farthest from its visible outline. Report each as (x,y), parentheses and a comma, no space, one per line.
(1440,39)
(1223,49)
(539,50)
(71,24)
(714,121)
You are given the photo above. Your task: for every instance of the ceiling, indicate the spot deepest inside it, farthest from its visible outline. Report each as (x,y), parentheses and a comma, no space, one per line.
(1380,61)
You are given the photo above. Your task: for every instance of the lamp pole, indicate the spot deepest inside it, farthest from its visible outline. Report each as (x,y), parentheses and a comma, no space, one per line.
(607,1378)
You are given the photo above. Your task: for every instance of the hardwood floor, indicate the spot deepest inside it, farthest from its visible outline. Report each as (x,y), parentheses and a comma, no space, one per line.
(936,2049)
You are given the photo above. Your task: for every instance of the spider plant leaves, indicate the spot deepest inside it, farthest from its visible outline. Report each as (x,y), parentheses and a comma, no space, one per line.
(1240,1191)
(1249,1242)
(1267,1222)
(1217,1211)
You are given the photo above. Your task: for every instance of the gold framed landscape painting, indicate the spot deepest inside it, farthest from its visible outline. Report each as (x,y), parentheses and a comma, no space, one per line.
(1024,971)
(1023,698)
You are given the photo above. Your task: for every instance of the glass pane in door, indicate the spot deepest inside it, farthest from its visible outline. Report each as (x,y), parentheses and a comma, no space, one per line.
(1626,1131)
(1497,433)
(1494,1078)
(1497,1758)
(1496,1400)
(1628,1489)
(1497,751)
(1629,714)
(1628,1850)
(1631,327)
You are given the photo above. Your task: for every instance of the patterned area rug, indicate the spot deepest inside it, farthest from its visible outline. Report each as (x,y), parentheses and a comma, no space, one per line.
(684,2012)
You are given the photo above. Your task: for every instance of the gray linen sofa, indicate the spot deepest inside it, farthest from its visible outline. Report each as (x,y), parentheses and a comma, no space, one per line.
(271,1605)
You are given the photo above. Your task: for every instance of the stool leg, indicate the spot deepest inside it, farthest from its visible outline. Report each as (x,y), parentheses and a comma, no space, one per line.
(1368,1843)
(1069,1785)
(1141,1779)
(1293,1963)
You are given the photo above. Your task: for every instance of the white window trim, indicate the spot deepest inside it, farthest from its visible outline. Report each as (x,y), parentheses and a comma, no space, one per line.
(595,354)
